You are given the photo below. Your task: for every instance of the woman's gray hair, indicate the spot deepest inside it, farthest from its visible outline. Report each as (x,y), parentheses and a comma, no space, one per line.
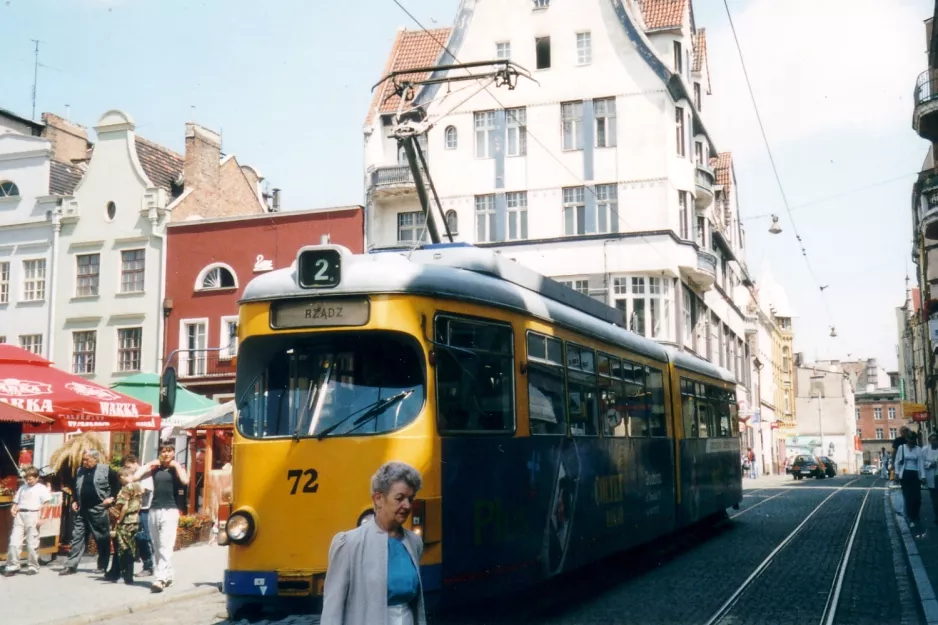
(391,473)
(94,453)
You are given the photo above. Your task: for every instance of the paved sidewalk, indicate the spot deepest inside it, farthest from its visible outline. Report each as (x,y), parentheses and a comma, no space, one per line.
(85,597)
(921,551)
(766,481)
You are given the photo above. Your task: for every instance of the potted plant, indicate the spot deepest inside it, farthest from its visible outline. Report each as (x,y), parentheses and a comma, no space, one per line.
(193,528)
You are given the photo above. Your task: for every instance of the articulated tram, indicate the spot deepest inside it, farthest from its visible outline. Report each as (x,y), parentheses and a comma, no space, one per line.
(548,437)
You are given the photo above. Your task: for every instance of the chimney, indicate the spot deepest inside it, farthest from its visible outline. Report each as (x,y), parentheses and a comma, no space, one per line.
(203,155)
(276,205)
(69,141)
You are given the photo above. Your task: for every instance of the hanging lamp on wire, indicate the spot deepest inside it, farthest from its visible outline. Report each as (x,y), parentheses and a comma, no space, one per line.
(775,228)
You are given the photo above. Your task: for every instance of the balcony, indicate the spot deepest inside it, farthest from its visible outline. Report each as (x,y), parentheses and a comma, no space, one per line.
(704,273)
(929,221)
(392,181)
(204,366)
(925,113)
(703,179)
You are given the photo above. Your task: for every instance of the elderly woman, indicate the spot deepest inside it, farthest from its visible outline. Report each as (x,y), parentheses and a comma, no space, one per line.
(374,570)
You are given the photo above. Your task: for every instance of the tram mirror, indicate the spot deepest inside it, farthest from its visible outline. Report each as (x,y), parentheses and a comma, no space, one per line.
(168,392)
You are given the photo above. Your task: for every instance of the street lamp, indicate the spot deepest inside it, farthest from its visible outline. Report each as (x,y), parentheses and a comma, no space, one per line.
(820,394)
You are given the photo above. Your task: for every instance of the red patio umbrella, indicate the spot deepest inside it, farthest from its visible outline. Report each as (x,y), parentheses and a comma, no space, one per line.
(30,382)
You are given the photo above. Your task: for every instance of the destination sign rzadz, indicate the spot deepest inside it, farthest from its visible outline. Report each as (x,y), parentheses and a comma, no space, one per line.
(319,313)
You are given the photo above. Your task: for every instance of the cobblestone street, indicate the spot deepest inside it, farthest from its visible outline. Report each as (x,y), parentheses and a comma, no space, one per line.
(780,559)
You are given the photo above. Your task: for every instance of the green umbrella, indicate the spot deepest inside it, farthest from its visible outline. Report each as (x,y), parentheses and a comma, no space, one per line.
(146,387)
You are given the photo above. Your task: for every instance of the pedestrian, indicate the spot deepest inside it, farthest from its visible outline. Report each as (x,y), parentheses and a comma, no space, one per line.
(96,485)
(373,575)
(910,470)
(931,467)
(753,469)
(169,477)
(125,530)
(144,542)
(896,444)
(26,504)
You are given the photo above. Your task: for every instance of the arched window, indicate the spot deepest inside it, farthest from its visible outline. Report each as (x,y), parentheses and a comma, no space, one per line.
(451,141)
(8,189)
(452,221)
(216,276)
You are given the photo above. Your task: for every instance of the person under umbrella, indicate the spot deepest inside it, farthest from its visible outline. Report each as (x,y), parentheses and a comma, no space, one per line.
(96,485)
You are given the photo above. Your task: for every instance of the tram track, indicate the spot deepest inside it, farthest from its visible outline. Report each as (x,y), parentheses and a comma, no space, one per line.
(744,599)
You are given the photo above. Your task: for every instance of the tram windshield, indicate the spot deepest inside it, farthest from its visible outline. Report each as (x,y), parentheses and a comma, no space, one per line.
(326,385)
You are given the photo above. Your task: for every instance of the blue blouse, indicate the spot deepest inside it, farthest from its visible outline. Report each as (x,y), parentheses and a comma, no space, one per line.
(403,582)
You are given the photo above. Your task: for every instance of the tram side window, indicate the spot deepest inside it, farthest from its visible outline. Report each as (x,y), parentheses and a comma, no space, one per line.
(547,401)
(611,398)
(474,376)
(636,403)
(722,411)
(704,414)
(689,408)
(581,390)
(657,425)
(734,415)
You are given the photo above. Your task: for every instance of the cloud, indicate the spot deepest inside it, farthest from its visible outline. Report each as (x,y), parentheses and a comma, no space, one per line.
(815,66)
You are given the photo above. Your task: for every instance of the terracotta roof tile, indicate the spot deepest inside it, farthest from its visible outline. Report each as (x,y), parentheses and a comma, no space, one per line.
(723,167)
(161,165)
(63,178)
(700,50)
(412,48)
(663,14)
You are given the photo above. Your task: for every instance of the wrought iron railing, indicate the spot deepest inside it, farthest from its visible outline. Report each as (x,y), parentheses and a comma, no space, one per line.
(707,261)
(203,363)
(387,176)
(926,86)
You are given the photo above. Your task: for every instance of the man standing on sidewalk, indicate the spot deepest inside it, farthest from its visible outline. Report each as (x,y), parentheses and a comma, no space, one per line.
(144,542)
(169,477)
(96,485)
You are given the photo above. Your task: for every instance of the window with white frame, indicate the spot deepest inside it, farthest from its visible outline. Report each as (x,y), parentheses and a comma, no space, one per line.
(574,210)
(517,202)
(572,116)
(878,414)
(8,189)
(607,206)
(485,134)
(679,131)
(216,277)
(584,49)
(450,138)
(452,221)
(31,343)
(192,360)
(604,110)
(133,270)
(891,412)
(34,280)
(411,227)
(687,313)
(503,50)
(646,303)
(87,276)
(485,218)
(128,348)
(857,410)
(229,337)
(700,234)
(4,283)
(83,351)
(683,215)
(879,434)
(697,101)
(678,58)
(580,286)
(516,120)
(893,432)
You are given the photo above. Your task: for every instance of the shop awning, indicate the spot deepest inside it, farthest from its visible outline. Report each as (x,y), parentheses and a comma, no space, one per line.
(11,414)
(74,404)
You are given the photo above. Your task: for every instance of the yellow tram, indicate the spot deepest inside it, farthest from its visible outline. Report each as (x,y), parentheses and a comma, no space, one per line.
(547,435)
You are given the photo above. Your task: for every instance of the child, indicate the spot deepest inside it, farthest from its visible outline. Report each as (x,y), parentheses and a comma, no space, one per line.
(29,498)
(128,521)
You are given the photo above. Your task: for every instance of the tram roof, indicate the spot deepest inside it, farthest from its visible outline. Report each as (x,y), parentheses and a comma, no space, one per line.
(468,273)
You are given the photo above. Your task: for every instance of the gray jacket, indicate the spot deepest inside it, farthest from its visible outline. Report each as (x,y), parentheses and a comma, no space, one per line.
(106,482)
(356,587)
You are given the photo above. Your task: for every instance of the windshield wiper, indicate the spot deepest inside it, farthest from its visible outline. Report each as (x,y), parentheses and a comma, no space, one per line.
(371,412)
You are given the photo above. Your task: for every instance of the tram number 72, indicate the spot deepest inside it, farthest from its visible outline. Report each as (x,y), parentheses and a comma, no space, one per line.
(310,487)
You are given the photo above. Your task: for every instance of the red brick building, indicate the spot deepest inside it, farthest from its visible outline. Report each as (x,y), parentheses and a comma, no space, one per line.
(209,262)
(879,417)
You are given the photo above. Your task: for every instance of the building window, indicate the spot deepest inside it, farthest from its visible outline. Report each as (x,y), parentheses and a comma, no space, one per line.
(194,343)
(411,227)
(34,280)
(503,50)
(580,286)
(786,361)
(878,414)
(572,115)
(607,206)
(452,221)
(83,351)
(8,189)
(485,134)
(605,112)
(133,267)
(879,434)
(584,49)
(4,283)
(682,214)
(698,153)
(32,343)
(891,412)
(893,432)
(128,348)
(574,211)
(678,58)
(679,130)
(216,277)
(402,153)
(3,339)
(646,304)
(697,96)
(542,46)
(485,218)
(541,4)
(517,202)
(88,275)
(688,315)
(229,337)
(450,138)
(858,414)
(517,132)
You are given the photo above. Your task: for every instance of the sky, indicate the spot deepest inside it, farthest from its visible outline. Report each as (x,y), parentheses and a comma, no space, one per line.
(288,83)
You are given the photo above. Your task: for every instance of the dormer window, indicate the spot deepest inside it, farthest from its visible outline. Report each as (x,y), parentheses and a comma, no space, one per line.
(8,189)
(216,276)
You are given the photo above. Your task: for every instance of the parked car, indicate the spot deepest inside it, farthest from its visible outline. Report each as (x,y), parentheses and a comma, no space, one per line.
(867,469)
(830,467)
(806,466)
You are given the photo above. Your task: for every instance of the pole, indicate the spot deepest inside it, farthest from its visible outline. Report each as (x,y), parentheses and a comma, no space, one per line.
(820,423)
(35,74)
(407,144)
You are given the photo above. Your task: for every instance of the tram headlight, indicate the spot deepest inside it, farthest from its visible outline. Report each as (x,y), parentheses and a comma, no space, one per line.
(241,527)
